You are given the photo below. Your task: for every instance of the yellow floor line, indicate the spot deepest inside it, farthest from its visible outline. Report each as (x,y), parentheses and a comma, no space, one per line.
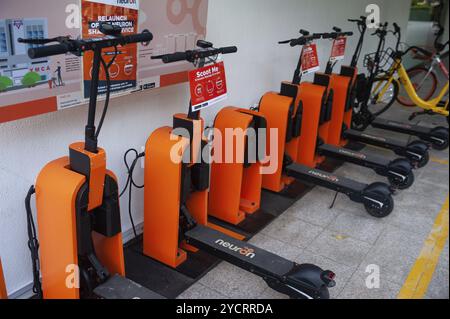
(440,161)
(416,286)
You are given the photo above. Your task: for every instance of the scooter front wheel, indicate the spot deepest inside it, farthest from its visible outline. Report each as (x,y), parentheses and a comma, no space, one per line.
(442,135)
(425,160)
(402,185)
(386,210)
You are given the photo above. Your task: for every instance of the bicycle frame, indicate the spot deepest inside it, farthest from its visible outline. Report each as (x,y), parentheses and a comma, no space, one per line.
(404,79)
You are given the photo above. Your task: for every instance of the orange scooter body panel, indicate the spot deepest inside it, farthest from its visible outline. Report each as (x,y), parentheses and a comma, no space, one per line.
(3,294)
(340,86)
(110,250)
(275,109)
(97,174)
(162,202)
(313,97)
(162,196)
(292,146)
(197,135)
(55,201)
(235,190)
(57,189)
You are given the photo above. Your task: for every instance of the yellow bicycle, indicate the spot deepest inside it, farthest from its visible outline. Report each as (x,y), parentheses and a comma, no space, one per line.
(387,85)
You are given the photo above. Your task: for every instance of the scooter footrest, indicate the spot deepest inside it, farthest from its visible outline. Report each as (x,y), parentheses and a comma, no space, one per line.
(118,287)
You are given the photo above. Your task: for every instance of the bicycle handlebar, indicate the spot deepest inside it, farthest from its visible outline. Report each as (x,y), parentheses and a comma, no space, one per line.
(421,50)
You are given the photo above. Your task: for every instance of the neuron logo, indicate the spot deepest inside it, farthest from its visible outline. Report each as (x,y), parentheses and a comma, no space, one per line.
(247,252)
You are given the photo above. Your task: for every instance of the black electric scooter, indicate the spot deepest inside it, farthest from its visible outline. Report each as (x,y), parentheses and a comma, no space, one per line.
(399,171)
(416,151)
(296,113)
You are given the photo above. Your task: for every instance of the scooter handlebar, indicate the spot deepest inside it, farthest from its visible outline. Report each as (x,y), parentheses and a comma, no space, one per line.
(49,50)
(194,55)
(171,58)
(144,37)
(66,44)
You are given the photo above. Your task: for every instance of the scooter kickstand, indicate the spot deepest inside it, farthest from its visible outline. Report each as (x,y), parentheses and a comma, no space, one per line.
(334,200)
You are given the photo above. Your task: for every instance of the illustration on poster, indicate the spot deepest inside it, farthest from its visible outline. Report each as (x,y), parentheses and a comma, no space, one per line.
(29,88)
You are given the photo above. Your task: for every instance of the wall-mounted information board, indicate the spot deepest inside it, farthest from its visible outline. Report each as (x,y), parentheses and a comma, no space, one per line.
(33,87)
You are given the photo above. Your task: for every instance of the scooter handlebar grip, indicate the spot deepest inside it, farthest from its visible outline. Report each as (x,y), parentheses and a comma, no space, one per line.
(143,37)
(229,50)
(317,36)
(304,32)
(175,57)
(296,42)
(49,50)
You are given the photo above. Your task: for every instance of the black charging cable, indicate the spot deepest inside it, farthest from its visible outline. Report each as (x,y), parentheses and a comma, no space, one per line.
(106,67)
(131,183)
(33,245)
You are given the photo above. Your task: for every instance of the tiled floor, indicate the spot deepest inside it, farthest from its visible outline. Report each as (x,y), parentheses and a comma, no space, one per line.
(346,240)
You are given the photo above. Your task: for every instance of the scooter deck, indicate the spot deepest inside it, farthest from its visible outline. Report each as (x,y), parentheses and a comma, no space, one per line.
(325,179)
(238,253)
(358,158)
(374,140)
(400,127)
(121,288)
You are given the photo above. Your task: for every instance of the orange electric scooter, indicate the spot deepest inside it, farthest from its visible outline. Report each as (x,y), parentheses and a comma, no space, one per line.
(3,293)
(78,213)
(176,199)
(399,172)
(296,112)
(235,189)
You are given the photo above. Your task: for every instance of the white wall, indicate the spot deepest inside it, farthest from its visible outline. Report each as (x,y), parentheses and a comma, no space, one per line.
(254,26)
(445,37)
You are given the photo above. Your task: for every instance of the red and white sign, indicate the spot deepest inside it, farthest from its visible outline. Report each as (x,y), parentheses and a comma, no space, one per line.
(338,51)
(310,59)
(208,86)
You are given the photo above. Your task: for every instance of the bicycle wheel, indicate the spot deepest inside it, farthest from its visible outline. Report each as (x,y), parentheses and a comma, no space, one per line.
(380,104)
(424,82)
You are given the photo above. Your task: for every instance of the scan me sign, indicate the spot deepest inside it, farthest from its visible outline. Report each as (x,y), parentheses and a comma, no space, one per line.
(338,50)
(208,86)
